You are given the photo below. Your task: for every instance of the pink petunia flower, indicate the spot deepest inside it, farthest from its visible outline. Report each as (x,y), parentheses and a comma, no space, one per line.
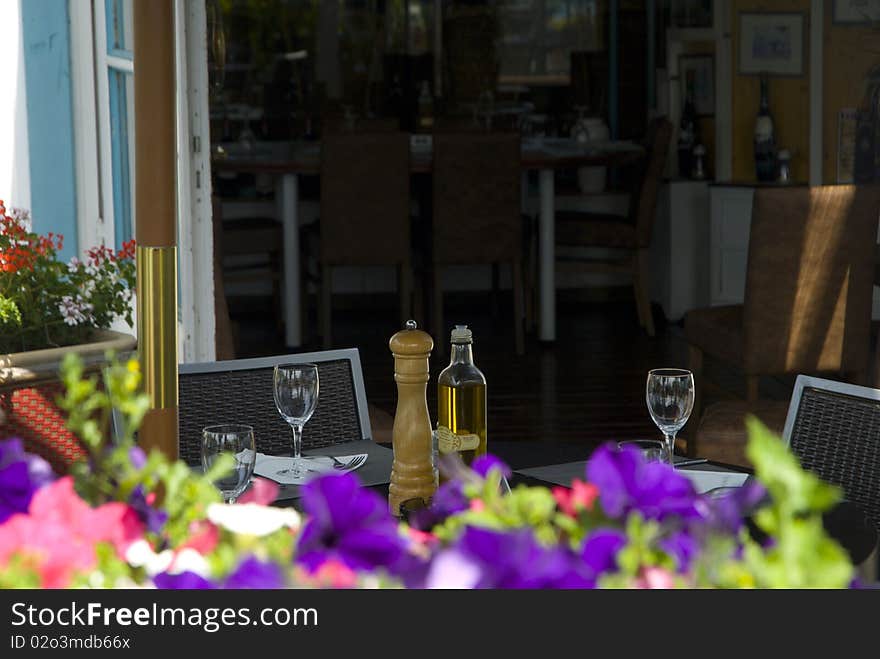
(581,496)
(60,531)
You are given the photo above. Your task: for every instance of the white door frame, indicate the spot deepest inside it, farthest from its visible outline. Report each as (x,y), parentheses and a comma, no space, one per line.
(89,61)
(194,216)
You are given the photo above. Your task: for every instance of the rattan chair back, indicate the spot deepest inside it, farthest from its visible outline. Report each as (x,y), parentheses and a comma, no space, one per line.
(834,430)
(241,391)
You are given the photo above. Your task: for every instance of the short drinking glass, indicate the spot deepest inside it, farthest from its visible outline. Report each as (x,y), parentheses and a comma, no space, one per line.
(652,450)
(296,395)
(670,397)
(237,441)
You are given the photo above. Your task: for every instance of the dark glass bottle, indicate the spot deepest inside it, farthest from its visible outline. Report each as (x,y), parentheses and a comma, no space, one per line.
(765,138)
(688,135)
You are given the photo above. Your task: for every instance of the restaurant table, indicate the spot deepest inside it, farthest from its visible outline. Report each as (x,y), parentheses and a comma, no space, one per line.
(550,463)
(287,161)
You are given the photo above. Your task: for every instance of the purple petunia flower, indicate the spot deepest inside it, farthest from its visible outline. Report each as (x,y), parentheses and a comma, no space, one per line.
(485,463)
(683,547)
(448,500)
(484,558)
(21,474)
(349,524)
(628,483)
(254,573)
(182,581)
(727,512)
(137,457)
(599,552)
(152,518)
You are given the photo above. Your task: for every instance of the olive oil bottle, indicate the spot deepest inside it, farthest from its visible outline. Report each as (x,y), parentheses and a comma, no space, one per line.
(461,414)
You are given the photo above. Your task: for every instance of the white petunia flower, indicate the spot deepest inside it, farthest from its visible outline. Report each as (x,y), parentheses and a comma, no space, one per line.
(252,518)
(141,554)
(73,265)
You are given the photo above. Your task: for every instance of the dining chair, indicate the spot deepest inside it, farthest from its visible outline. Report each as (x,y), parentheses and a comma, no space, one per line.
(241,391)
(365,211)
(834,430)
(248,246)
(476,214)
(628,236)
(807,306)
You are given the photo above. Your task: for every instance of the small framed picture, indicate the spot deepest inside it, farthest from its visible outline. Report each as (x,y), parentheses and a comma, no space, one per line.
(771,43)
(699,71)
(856,12)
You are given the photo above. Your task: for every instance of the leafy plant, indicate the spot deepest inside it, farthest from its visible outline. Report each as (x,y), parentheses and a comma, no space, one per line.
(45,302)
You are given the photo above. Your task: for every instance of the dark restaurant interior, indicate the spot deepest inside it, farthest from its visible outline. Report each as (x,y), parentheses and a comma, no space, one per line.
(653,262)
(440,293)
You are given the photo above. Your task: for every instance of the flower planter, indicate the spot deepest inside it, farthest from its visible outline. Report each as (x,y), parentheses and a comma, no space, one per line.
(29,385)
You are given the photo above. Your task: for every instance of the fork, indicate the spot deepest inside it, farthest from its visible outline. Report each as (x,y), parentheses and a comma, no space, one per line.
(354,463)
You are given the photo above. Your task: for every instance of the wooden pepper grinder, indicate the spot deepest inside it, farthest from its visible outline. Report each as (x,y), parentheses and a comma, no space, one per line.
(412,472)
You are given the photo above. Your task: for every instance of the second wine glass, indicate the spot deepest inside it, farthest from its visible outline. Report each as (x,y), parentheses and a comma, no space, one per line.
(296,395)
(669,394)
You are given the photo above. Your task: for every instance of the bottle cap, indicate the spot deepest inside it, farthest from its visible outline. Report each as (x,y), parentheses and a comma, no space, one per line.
(461,334)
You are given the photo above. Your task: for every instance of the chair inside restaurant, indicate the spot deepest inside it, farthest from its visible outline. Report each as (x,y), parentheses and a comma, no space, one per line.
(807,306)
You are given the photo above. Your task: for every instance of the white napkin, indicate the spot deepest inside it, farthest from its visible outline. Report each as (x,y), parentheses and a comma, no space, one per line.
(708,480)
(268,466)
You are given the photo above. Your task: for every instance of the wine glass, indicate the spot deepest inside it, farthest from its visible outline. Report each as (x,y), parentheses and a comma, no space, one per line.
(296,395)
(236,440)
(670,397)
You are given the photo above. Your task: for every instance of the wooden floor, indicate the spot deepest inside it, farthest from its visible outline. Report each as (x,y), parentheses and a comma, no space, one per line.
(587,387)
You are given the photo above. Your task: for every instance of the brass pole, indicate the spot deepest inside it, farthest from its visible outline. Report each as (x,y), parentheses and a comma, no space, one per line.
(155,214)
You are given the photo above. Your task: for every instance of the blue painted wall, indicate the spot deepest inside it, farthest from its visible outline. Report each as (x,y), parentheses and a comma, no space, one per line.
(46,40)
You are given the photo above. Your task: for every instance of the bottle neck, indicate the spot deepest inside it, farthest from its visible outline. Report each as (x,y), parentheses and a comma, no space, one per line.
(461,354)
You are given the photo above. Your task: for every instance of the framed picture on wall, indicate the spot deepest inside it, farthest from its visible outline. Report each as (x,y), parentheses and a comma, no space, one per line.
(700,69)
(854,12)
(771,43)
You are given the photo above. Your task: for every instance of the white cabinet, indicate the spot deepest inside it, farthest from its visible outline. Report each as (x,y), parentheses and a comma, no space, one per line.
(680,248)
(731,211)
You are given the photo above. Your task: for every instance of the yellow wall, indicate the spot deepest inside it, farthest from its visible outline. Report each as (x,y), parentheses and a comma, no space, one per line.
(789,99)
(849,53)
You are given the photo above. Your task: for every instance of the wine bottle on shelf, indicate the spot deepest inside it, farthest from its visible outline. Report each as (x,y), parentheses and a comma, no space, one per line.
(688,135)
(461,413)
(765,138)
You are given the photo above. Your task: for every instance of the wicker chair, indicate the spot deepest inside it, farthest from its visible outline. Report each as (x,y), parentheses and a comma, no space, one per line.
(241,391)
(365,211)
(628,235)
(807,305)
(477,218)
(834,430)
(28,408)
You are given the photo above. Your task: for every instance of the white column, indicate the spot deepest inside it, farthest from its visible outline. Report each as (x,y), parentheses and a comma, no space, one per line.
(547,258)
(15,184)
